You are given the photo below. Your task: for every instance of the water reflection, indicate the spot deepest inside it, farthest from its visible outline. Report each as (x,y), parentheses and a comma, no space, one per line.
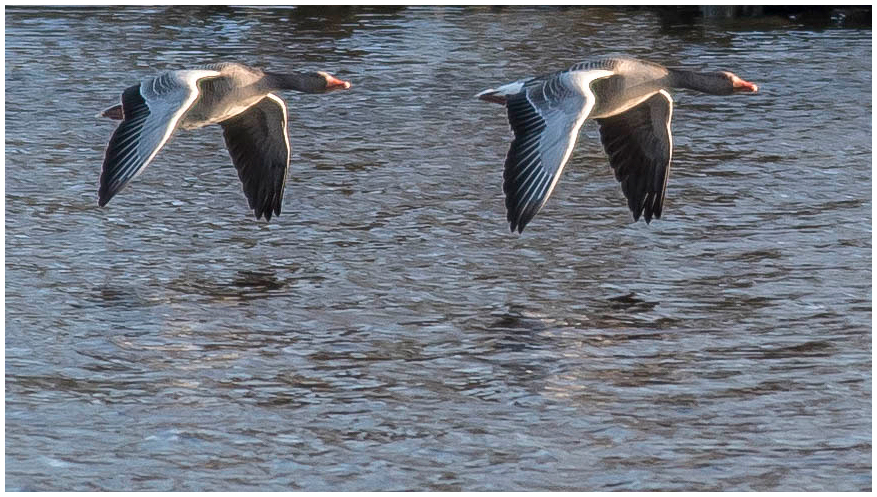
(245,285)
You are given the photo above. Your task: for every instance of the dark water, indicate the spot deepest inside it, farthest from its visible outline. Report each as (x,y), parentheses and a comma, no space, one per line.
(386,332)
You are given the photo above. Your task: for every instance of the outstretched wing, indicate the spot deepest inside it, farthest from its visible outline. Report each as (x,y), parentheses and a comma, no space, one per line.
(639,145)
(546,117)
(150,113)
(258,143)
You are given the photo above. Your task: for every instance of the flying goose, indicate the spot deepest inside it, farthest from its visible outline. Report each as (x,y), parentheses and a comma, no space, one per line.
(239,98)
(629,100)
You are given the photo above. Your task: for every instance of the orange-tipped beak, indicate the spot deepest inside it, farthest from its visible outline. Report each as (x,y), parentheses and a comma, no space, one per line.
(334,83)
(744,86)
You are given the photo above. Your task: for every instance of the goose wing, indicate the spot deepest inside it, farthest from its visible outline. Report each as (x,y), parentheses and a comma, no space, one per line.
(258,143)
(639,145)
(545,116)
(150,113)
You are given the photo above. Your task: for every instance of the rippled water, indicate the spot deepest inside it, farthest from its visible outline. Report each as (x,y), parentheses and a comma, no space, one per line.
(386,332)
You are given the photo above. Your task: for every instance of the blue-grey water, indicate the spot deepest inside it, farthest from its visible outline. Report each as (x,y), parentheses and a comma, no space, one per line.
(387,332)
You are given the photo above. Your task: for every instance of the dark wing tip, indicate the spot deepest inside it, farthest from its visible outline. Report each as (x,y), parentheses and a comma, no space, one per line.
(121,162)
(260,207)
(108,189)
(653,206)
(524,177)
(520,213)
(267,210)
(517,225)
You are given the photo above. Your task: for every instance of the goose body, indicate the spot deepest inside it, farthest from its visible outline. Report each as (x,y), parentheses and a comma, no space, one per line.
(239,98)
(629,100)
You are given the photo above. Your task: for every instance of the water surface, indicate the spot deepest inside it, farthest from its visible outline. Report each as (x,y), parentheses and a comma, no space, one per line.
(386,332)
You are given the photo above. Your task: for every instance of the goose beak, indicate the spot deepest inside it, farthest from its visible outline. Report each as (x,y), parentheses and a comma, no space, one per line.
(333,83)
(744,86)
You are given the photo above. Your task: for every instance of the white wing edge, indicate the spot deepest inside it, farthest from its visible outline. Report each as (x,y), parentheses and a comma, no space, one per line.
(580,80)
(669,139)
(282,105)
(189,78)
